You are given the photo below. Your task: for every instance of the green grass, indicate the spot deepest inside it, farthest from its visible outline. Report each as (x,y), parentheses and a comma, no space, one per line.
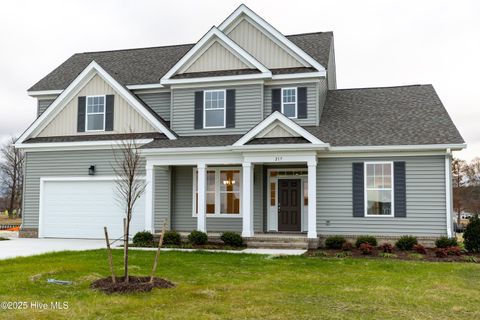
(239,286)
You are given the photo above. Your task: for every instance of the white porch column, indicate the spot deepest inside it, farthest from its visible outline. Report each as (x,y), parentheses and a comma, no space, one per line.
(149,190)
(247,199)
(202,184)
(312,199)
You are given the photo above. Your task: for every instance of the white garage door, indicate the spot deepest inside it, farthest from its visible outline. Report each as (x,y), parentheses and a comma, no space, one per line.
(80,209)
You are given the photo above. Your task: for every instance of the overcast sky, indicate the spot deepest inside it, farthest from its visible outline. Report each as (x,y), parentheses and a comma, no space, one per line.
(377,43)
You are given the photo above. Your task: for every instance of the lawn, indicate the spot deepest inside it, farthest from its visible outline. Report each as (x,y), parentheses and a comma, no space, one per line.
(238,286)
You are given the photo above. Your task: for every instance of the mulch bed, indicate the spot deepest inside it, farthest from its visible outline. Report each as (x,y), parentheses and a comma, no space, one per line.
(399,255)
(208,246)
(135,284)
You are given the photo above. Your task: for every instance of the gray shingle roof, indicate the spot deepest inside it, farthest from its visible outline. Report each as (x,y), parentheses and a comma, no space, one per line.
(148,65)
(195,141)
(98,137)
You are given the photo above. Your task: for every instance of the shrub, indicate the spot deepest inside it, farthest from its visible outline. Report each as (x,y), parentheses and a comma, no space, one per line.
(366,239)
(197,237)
(441,252)
(343,254)
(335,242)
(143,238)
(471,236)
(232,239)
(418,248)
(454,251)
(406,243)
(366,248)
(347,246)
(386,247)
(321,254)
(172,238)
(444,242)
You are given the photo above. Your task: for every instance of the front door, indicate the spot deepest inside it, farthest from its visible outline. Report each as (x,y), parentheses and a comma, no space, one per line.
(289,204)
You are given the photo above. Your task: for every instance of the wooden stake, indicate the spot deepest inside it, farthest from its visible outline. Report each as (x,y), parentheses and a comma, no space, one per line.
(125,250)
(155,263)
(109,250)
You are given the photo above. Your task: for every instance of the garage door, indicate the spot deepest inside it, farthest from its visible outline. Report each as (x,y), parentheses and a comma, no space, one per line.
(80,209)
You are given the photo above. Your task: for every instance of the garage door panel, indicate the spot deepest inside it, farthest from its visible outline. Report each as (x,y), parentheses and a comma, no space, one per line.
(80,209)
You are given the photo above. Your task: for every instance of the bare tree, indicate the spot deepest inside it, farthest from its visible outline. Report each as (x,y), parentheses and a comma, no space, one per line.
(11,172)
(129,186)
(460,171)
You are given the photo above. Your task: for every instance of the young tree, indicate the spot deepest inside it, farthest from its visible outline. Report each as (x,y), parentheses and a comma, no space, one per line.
(459,178)
(129,186)
(11,173)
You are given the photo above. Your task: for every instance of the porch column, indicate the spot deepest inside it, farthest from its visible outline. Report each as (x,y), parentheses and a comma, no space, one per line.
(312,199)
(247,199)
(202,184)
(149,190)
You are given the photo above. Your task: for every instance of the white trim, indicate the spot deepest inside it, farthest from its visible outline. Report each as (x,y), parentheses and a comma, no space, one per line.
(224,109)
(213,32)
(277,116)
(149,198)
(145,86)
(296,101)
(202,203)
(243,9)
(392,189)
(87,74)
(448,191)
(81,145)
(312,199)
(92,113)
(218,84)
(262,75)
(36,94)
(407,147)
(247,199)
(290,76)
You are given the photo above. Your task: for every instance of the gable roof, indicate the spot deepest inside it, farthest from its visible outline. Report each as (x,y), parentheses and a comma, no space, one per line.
(149,65)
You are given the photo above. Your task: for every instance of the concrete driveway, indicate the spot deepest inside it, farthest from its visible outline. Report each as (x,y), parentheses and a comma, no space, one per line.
(16,247)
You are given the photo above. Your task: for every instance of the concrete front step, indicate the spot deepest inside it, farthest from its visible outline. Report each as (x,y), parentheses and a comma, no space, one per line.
(277,245)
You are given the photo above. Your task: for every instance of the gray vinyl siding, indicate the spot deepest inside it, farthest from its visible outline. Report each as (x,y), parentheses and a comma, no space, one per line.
(331,69)
(313,99)
(248,110)
(182,204)
(159,102)
(42,105)
(426,199)
(60,163)
(161,197)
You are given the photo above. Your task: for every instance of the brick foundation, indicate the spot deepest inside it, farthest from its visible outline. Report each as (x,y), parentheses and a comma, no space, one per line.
(28,233)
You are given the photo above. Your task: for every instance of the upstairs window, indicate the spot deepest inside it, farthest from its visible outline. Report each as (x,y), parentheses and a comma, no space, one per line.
(378,189)
(95,113)
(289,102)
(214,109)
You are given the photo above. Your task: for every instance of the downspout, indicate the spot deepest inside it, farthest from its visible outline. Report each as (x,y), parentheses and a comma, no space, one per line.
(449,191)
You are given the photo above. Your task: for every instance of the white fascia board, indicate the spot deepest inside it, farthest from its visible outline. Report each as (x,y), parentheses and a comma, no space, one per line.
(81,145)
(87,74)
(277,116)
(145,86)
(243,9)
(36,94)
(399,147)
(266,75)
(318,74)
(214,32)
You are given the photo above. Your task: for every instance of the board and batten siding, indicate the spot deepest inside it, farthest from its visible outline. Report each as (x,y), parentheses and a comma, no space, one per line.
(126,118)
(248,110)
(42,105)
(426,199)
(316,92)
(182,204)
(160,102)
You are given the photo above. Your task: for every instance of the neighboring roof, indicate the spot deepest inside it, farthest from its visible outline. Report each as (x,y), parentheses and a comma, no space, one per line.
(98,137)
(407,115)
(149,65)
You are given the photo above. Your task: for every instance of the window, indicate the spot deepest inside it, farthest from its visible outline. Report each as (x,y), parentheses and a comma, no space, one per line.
(289,102)
(95,113)
(378,189)
(222,192)
(214,109)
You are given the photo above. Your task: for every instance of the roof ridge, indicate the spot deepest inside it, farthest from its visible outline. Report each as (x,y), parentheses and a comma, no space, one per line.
(386,87)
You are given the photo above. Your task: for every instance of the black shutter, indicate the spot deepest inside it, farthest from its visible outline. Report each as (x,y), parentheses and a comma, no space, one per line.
(230,116)
(198,110)
(109,112)
(276,100)
(400,190)
(358,191)
(302,103)
(81,114)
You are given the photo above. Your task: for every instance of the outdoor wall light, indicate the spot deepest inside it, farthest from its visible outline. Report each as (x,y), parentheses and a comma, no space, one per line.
(91,170)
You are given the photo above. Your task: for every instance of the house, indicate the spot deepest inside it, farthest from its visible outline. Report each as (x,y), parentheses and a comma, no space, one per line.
(244,130)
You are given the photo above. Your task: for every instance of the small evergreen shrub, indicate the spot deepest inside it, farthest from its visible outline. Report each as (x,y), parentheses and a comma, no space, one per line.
(143,239)
(172,238)
(386,247)
(406,243)
(418,248)
(371,240)
(366,248)
(347,246)
(335,242)
(471,236)
(197,237)
(444,242)
(232,239)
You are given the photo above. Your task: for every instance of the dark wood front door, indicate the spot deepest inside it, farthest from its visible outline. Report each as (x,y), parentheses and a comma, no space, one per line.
(289,204)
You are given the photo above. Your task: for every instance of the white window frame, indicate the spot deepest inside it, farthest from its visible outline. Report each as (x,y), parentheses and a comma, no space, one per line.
(224,109)
(217,213)
(392,211)
(296,101)
(104,112)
